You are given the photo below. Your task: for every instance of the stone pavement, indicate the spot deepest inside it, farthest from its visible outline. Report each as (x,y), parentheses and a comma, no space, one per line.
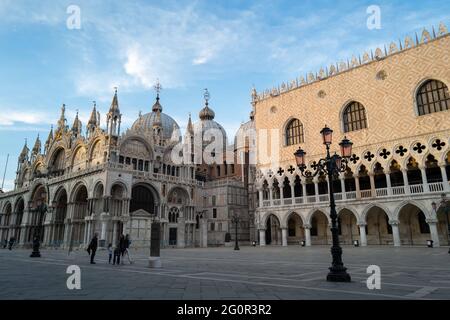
(292,272)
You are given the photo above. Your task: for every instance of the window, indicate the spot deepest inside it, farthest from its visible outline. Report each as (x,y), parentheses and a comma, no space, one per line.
(213,200)
(213,226)
(354,117)
(432,97)
(218,171)
(294,132)
(214,213)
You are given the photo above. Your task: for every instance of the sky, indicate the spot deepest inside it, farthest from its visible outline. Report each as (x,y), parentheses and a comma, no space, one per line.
(226,46)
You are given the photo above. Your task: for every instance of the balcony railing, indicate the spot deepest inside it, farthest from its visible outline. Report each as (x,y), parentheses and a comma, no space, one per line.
(435,187)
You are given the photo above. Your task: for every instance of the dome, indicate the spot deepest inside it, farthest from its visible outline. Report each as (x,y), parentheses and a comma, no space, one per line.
(146,121)
(246,130)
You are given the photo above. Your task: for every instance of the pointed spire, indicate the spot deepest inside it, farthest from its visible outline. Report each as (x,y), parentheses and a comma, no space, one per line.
(37,146)
(115,103)
(93,118)
(76,127)
(24,154)
(190,127)
(62,118)
(50,134)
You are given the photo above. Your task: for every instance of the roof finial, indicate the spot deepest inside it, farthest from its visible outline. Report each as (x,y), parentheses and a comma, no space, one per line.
(206,96)
(158,88)
(115,91)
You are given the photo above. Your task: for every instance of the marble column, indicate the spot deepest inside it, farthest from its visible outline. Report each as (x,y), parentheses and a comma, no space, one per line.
(292,184)
(342,179)
(262,237)
(405,181)
(395,233)
(426,188)
(388,183)
(362,234)
(358,192)
(316,188)
(260,191)
(303,182)
(307,228)
(444,178)
(372,184)
(432,223)
(284,237)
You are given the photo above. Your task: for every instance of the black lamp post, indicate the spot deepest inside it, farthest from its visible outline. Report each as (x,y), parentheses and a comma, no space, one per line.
(235,220)
(154,260)
(330,165)
(37,230)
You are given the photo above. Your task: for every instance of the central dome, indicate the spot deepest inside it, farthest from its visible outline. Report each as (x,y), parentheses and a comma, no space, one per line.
(147,120)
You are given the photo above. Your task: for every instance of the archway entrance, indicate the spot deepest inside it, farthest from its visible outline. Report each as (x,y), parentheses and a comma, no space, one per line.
(319,228)
(443,217)
(80,211)
(378,229)
(295,231)
(347,227)
(142,199)
(60,217)
(5,223)
(413,228)
(17,220)
(273,230)
(38,210)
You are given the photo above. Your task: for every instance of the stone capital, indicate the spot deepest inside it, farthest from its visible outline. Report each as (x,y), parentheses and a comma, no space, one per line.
(394,222)
(306,226)
(431,221)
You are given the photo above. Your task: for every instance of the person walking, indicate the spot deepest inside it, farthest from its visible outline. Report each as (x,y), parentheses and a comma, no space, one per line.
(117,253)
(11,243)
(110,253)
(122,246)
(92,248)
(127,248)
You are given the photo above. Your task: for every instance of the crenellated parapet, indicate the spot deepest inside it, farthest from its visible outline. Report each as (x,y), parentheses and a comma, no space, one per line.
(355,62)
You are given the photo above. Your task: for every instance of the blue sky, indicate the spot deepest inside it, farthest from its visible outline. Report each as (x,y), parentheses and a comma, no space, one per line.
(225,46)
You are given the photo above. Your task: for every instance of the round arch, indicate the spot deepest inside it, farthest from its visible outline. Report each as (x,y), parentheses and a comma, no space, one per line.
(413,227)
(144,196)
(178,195)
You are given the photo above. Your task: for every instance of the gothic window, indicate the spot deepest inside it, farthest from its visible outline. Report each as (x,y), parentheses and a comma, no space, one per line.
(294,132)
(174,214)
(432,96)
(214,213)
(354,117)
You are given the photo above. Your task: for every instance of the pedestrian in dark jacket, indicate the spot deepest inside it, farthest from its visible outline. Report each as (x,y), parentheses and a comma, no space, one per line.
(92,248)
(122,246)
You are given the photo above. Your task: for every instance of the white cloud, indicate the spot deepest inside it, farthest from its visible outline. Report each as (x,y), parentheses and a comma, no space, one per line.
(10,117)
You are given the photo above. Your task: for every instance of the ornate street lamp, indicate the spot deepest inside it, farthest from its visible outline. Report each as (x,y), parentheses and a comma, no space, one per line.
(235,220)
(331,166)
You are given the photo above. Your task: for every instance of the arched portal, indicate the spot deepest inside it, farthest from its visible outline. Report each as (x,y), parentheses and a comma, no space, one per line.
(80,211)
(142,198)
(296,233)
(413,228)
(60,217)
(5,222)
(443,226)
(273,230)
(17,219)
(347,227)
(38,209)
(319,228)
(378,229)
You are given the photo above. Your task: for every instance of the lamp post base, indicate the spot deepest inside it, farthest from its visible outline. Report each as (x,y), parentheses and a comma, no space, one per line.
(35,254)
(154,262)
(338,275)
(236,247)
